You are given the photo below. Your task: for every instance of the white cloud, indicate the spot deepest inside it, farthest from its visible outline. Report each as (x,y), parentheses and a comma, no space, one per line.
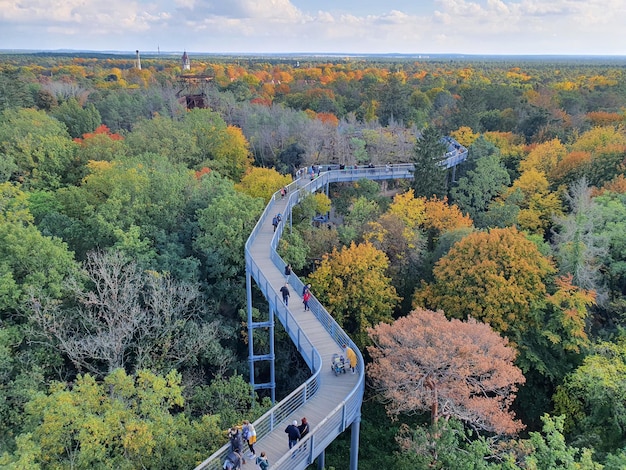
(82,16)
(466,26)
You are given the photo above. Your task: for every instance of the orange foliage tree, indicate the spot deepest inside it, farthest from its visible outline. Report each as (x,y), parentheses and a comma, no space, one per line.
(101,144)
(616,185)
(571,168)
(441,217)
(604,118)
(424,362)
(328,118)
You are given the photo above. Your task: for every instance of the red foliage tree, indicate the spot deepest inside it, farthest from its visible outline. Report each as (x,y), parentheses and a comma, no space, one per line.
(100,130)
(424,362)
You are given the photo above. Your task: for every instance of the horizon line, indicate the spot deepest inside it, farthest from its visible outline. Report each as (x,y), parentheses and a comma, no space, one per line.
(159,52)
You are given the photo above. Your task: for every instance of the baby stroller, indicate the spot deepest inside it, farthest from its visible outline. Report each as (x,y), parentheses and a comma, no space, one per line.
(338,364)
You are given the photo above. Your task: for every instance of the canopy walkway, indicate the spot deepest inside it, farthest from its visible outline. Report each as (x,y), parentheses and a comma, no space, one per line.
(330,403)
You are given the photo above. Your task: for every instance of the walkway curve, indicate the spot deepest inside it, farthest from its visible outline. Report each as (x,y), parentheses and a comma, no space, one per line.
(330,403)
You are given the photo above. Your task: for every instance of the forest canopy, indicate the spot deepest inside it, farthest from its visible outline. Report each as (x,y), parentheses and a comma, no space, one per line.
(127,195)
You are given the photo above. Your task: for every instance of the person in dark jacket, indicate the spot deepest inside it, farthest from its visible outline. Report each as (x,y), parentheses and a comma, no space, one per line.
(236,440)
(303,428)
(293,433)
(285,292)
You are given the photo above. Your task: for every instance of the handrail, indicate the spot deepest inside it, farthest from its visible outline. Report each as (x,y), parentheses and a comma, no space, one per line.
(349,408)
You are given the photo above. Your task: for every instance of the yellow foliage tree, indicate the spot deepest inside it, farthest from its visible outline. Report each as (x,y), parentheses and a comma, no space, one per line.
(441,217)
(465,136)
(600,138)
(262,182)
(125,421)
(352,283)
(544,157)
(231,153)
(409,209)
(539,204)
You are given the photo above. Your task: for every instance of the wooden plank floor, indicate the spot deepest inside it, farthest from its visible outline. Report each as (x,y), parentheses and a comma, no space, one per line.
(333,389)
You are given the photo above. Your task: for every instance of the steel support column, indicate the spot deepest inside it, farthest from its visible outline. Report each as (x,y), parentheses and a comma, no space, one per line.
(250,328)
(354,442)
(273,361)
(321,460)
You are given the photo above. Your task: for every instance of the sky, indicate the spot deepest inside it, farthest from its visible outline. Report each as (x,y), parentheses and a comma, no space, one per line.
(500,27)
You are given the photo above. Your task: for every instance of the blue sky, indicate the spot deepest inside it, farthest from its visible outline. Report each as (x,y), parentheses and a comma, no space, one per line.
(589,27)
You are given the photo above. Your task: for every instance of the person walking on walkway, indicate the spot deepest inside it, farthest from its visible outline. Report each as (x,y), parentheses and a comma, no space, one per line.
(285,291)
(305,300)
(287,272)
(303,428)
(293,433)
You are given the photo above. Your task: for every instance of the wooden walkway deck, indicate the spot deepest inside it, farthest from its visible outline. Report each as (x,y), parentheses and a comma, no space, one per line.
(333,389)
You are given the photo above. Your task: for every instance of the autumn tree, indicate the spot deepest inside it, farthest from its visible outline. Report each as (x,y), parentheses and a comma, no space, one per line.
(538,205)
(353,285)
(465,136)
(453,369)
(128,421)
(440,216)
(544,157)
(498,277)
(398,233)
(262,183)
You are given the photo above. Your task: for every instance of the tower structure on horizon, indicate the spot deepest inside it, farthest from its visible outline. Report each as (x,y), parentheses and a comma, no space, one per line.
(137,60)
(186,61)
